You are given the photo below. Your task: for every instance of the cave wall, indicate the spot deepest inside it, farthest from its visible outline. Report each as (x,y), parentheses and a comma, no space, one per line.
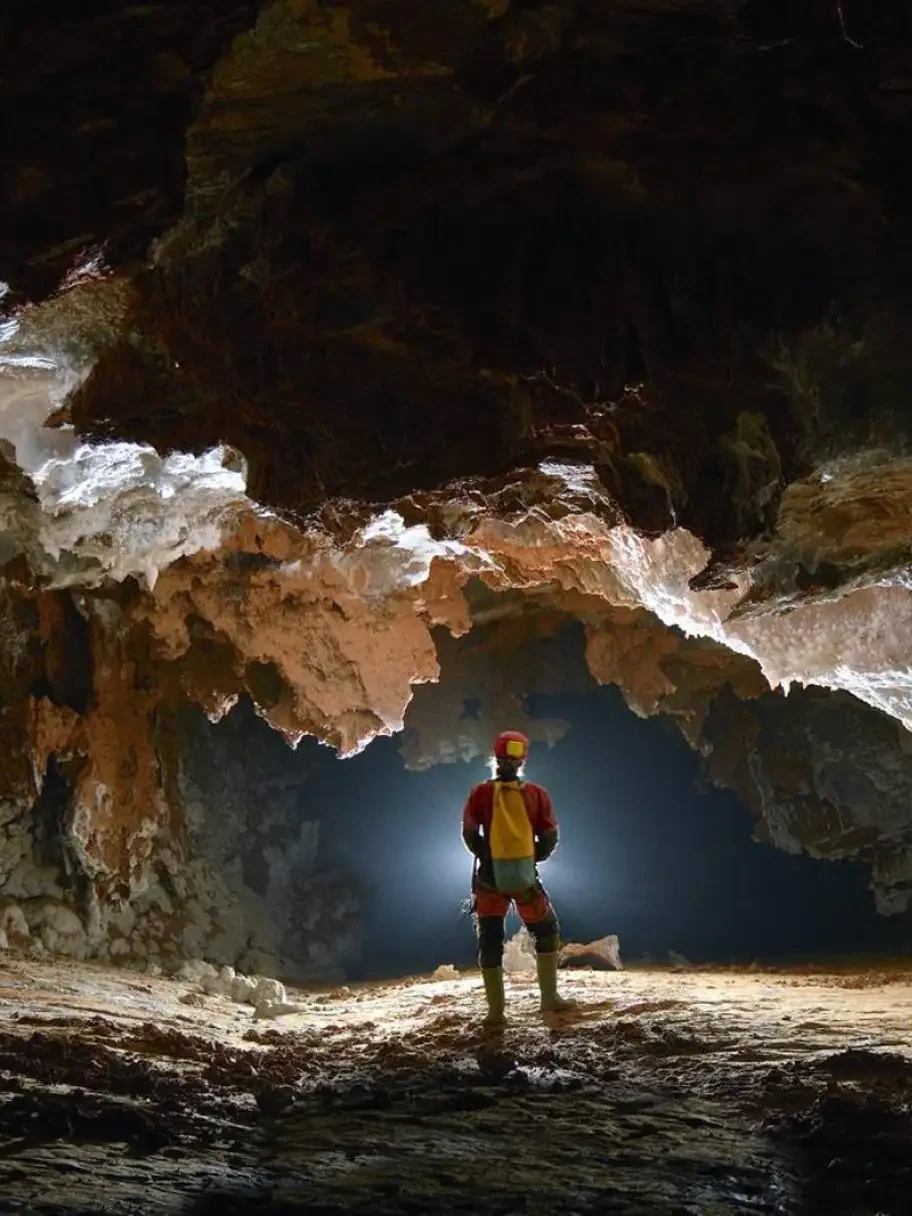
(136,830)
(261,897)
(824,774)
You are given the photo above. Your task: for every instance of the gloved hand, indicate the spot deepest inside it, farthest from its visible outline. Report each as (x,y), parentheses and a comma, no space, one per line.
(472,841)
(545,845)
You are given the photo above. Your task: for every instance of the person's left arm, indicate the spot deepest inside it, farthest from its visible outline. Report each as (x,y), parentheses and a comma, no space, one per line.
(547,832)
(471,825)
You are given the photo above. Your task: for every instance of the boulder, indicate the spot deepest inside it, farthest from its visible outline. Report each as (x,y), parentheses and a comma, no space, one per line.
(195,970)
(242,989)
(604,954)
(267,990)
(220,984)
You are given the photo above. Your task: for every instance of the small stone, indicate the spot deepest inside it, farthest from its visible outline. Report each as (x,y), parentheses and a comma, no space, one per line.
(194,999)
(446,971)
(273,1099)
(14,924)
(274,1009)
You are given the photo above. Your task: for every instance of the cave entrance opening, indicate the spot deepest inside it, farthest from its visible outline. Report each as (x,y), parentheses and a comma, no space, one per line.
(382,875)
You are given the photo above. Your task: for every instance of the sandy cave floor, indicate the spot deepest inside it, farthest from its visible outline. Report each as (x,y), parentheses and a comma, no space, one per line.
(672,1092)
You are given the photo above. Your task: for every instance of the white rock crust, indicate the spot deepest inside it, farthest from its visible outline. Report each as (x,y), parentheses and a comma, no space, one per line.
(519,953)
(102,510)
(859,643)
(275,1009)
(111,510)
(267,996)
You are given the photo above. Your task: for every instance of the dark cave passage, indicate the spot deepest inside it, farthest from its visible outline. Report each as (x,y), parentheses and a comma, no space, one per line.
(644,853)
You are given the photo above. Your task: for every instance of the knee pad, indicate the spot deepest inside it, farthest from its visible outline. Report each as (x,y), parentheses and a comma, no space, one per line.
(546,933)
(490,941)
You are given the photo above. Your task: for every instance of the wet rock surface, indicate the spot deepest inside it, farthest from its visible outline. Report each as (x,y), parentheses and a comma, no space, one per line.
(705,1092)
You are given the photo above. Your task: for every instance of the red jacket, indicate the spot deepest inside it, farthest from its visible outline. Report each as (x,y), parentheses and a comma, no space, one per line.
(476,823)
(480,807)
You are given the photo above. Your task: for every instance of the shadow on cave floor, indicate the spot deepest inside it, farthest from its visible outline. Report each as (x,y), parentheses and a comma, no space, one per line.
(704,1091)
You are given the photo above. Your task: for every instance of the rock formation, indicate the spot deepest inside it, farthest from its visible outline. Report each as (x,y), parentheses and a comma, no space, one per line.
(347,352)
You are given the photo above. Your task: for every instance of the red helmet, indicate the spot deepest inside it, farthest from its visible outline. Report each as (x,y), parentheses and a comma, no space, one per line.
(511,745)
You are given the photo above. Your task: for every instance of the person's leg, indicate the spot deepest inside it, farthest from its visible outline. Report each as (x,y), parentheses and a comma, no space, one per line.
(540,919)
(490,910)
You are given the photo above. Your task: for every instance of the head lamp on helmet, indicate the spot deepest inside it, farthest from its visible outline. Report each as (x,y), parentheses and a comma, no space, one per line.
(511,746)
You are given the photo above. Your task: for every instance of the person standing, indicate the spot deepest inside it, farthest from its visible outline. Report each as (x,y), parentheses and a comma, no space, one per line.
(509,827)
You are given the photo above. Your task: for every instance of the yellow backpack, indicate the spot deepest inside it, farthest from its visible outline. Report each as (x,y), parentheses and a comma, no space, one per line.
(512,840)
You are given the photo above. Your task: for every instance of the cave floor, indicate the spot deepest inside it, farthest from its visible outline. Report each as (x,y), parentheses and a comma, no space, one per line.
(699,1091)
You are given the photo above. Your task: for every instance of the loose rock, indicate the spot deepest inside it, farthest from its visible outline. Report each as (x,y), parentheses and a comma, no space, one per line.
(446,971)
(195,970)
(242,989)
(275,1009)
(268,990)
(220,984)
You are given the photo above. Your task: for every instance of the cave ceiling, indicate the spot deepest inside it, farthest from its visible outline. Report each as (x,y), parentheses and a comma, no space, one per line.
(349,349)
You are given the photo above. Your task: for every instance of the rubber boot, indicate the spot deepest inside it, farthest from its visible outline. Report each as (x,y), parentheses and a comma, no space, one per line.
(494,993)
(551,1002)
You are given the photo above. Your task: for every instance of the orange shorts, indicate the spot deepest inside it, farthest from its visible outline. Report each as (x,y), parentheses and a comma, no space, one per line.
(532,905)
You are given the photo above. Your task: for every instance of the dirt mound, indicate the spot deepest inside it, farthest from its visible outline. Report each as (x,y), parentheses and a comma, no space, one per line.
(861,980)
(859,1064)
